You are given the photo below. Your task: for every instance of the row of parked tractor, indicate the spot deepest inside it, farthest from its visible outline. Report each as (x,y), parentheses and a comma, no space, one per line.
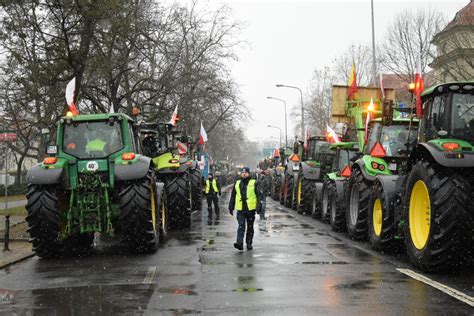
(401,179)
(115,175)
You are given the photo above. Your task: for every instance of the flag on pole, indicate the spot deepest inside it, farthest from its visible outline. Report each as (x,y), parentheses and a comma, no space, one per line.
(367,121)
(419,87)
(174,117)
(352,90)
(70,94)
(382,88)
(306,139)
(332,136)
(111,110)
(182,148)
(202,135)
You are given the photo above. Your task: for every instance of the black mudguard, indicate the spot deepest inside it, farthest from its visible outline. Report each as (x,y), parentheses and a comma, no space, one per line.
(318,190)
(393,188)
(311,173)
(133,171)
(38,175)
(467,161)
(367,176)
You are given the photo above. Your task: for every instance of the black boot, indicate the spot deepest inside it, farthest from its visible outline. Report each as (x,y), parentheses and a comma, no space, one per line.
(249,247)
(239,246)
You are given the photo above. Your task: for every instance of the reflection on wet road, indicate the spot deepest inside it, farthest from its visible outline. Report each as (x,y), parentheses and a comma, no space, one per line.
(298,266)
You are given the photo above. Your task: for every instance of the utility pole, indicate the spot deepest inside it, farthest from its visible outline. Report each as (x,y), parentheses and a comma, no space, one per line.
(374,67)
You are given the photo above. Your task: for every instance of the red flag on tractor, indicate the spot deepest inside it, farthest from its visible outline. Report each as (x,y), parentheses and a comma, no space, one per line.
(419,87)
(306,139)
(352,90)
(174,117)
(332,136)
(70,95)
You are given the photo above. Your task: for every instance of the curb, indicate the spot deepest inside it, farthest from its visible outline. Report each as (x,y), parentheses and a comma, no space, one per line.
(6,263)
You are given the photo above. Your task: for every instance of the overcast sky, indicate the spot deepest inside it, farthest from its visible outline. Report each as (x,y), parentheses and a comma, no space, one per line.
(289,39)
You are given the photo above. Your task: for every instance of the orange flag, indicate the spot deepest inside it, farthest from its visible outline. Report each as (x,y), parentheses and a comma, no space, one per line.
(351,92)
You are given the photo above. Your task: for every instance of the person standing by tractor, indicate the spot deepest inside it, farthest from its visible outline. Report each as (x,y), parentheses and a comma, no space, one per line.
(212,190)
(245,198)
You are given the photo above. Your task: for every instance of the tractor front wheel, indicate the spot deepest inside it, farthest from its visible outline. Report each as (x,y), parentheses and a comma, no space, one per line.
(179,204)
(337,217)
(305,196)
(196,189)
(381,224)
(325,204)
(438,216)
(357,205)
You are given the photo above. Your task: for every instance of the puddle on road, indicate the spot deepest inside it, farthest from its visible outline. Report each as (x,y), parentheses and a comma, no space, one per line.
(357,285)
(177,311)
(208,249)
(247,289)
(244,265)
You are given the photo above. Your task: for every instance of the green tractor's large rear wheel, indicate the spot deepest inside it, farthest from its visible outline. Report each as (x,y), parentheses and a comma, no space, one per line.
(381,224)
(304,197)
(45,223)
(179,201)
(139,214)
(196,189)
(357,205)
(439,218)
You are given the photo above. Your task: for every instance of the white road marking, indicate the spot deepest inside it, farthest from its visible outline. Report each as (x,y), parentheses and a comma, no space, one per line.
(149,275)
(443,288)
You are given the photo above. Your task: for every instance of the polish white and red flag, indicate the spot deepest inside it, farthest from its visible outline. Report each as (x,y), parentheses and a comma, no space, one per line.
(332,136)
(202,135)
(70,95)
(367,121)
(306,139)
(419,87)
(182,148)
(174,117)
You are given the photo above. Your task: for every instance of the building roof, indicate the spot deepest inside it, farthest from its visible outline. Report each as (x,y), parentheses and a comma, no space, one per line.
(465,16)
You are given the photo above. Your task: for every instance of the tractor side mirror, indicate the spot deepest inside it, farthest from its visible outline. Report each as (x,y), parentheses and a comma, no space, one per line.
(52,150)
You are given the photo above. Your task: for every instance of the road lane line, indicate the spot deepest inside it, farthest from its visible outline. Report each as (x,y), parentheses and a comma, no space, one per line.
(443,288)
(149,275)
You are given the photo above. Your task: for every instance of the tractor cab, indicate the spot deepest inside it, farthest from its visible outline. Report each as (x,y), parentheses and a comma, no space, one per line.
(448,113)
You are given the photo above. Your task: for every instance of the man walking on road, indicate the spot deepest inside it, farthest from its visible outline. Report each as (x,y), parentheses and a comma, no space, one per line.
(212,190)
(245,198)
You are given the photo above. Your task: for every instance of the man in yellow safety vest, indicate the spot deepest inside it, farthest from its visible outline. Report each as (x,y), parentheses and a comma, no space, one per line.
(212,190)
(245,198)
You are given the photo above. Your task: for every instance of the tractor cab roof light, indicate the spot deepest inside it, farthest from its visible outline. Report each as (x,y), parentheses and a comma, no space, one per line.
(69,114)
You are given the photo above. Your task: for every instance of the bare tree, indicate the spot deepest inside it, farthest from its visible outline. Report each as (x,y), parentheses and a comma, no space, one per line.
(409,38)
(361,56)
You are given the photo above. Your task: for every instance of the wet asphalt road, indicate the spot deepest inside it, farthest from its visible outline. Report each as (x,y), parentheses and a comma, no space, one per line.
(298,266)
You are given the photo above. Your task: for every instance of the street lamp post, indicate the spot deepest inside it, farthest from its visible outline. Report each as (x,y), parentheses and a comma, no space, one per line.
(278,129)
(302,107)
(286,126)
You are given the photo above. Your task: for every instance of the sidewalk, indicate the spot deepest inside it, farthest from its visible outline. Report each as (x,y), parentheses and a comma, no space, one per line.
(19,246)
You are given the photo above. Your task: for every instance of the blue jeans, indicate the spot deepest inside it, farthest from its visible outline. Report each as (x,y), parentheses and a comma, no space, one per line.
(245,217)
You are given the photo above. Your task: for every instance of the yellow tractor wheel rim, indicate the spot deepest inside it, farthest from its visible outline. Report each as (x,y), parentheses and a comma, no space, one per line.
(163,215)
(300,185)
(153,209)
(377,217)
(420,215)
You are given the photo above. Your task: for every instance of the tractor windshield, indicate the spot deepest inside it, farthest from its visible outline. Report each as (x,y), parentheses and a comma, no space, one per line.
(317,148)
(463,116)
(394,139)
(96,139)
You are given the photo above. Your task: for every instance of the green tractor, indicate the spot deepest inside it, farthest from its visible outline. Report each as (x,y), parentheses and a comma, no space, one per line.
(158,143)
(333,191)
(315,163)
(431,205)
(385,154)
(95,180)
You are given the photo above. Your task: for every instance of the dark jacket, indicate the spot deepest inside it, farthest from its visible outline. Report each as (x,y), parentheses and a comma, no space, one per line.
(243,193)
